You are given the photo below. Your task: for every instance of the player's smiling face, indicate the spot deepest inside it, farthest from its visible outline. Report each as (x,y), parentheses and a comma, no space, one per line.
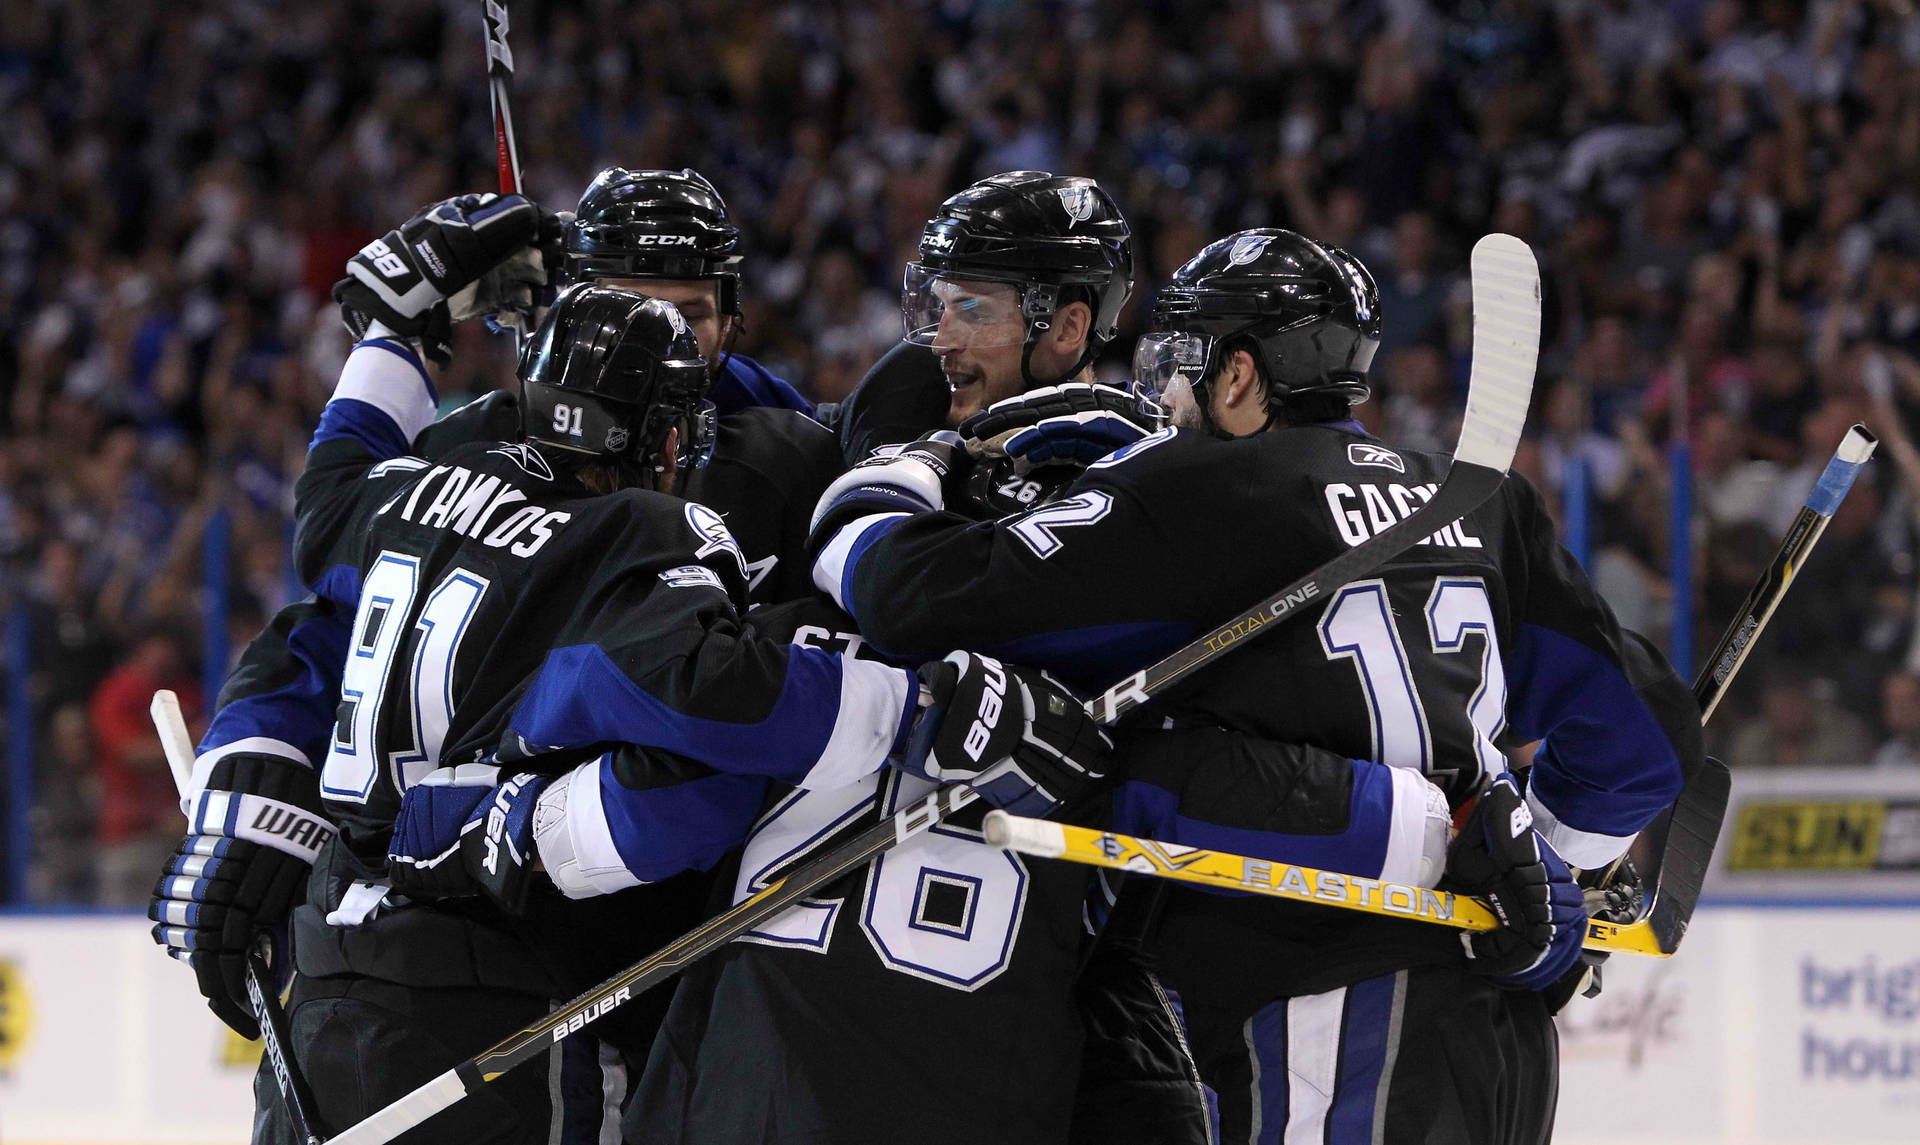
(979,341)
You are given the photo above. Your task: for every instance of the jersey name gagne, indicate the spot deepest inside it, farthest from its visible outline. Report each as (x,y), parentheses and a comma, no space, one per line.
(474,505)
(1364,510)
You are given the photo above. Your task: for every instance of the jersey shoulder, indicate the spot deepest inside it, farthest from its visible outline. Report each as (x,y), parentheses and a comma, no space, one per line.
(902,396)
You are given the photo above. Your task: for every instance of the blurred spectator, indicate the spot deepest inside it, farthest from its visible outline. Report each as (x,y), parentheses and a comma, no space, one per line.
(1900,712)
(140,817)
(1799,727)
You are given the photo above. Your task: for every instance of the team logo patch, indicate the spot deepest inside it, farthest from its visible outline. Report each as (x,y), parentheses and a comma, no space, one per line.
(1078,202)
(1247,248)
(1379,456)
(714,537)
(674,319)
(527,458)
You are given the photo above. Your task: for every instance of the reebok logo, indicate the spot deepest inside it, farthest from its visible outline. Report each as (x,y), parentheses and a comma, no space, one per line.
(992,702)
(1366,453)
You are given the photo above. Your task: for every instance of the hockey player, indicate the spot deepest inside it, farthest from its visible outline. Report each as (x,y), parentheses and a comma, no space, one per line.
(1019,283)
(649,584)
(1311,1024)
(664,233)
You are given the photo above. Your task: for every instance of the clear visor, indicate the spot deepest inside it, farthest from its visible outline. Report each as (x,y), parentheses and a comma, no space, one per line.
(960,313)
(1162,358)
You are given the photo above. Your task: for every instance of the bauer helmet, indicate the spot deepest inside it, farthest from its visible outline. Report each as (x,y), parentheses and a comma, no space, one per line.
(1308,312)
(609,373)
(654,224)
(1055,238)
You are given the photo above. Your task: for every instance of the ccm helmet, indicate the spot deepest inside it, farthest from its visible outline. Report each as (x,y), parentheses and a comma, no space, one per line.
(1051,237)
(1310,314)
(609,373)
(654,224)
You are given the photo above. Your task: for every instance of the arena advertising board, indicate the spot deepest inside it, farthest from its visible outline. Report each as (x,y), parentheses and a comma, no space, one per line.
(1805,833)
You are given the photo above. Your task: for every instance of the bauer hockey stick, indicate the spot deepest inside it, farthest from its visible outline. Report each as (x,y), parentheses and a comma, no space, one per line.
(1686,835)
(274,1034)
(499,81)
(1506,337)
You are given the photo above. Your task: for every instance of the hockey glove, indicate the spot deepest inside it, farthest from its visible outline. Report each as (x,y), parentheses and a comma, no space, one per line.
(462,832)
(254,830)
(1073,425)
(914,479)
(1015,735)
(1499,856)
(403,279)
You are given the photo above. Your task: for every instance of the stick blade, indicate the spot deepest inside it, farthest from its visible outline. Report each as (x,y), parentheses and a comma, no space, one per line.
(1506,350)
(1692,831)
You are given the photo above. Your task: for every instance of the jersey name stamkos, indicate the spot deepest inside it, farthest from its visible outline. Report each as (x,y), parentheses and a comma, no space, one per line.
(475,505)
(1364,509)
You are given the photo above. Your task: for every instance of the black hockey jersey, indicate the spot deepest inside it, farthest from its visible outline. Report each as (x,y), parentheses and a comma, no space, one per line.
(902,396)
(927,997)
(495,599)
(1484,634)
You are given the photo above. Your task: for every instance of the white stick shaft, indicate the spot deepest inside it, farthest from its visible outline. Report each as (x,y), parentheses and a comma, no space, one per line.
(174,740)
(1027,836)
(406,1113)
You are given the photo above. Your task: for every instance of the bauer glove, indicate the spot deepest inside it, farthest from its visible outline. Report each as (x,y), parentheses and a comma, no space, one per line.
(1015,735)
(461,832)
(255,827)
(1499,856)
(1074,424)
(402,281)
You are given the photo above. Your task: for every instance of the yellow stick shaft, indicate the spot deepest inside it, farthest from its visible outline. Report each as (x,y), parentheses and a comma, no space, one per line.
(1049,840)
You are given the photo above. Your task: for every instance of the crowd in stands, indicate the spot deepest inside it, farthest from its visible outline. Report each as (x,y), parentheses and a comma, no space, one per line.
(1724,196)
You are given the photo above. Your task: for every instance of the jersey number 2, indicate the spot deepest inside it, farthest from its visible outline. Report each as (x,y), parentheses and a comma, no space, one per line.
(386,600)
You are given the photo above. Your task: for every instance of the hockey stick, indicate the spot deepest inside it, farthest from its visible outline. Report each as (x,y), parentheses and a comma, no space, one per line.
(274,1033)
(1687,833)
(1049,840)
(1506,292)
(499,81)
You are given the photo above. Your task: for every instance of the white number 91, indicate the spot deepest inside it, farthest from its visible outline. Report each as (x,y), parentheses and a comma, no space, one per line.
(566,419)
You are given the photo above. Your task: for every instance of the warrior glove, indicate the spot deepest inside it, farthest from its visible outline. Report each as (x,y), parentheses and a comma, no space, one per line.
(255,826)
(461,832)
(1499,856)
(1015,735)
(402,281)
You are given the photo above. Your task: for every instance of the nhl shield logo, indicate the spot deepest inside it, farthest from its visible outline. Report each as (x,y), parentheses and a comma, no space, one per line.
(617,439)
(1366,453)
(1078,202)
(1247,248)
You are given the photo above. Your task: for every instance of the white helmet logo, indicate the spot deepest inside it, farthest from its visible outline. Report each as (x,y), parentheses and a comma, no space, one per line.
(616,439)
(1247,248)
(1078,202)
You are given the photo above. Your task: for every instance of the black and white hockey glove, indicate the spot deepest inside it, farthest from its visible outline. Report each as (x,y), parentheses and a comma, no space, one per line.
(462,831)
(914,479)
(403,280)
(1499,856)
(1016,735)
(1073,424)
(255,827)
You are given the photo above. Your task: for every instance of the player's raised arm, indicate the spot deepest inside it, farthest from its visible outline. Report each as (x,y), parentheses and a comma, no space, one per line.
(1619,728)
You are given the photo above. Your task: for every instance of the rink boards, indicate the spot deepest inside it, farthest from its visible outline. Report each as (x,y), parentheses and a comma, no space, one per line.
(1774,1024)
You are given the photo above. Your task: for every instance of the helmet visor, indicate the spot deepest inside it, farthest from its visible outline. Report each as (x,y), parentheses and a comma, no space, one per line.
(952,313)
(1162,358)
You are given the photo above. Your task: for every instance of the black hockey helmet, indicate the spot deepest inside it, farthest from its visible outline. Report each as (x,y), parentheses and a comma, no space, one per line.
(1309,312)
(654,224)
(609,373)
(1045,235)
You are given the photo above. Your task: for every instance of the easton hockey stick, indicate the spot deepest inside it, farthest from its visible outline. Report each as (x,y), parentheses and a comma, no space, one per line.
(1506,337)
(274,1034)
(1045,839)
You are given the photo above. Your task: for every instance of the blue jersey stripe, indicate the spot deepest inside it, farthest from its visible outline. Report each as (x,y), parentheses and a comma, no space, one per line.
(580,697)
(662,831)
(1363,1056)
(363,422)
